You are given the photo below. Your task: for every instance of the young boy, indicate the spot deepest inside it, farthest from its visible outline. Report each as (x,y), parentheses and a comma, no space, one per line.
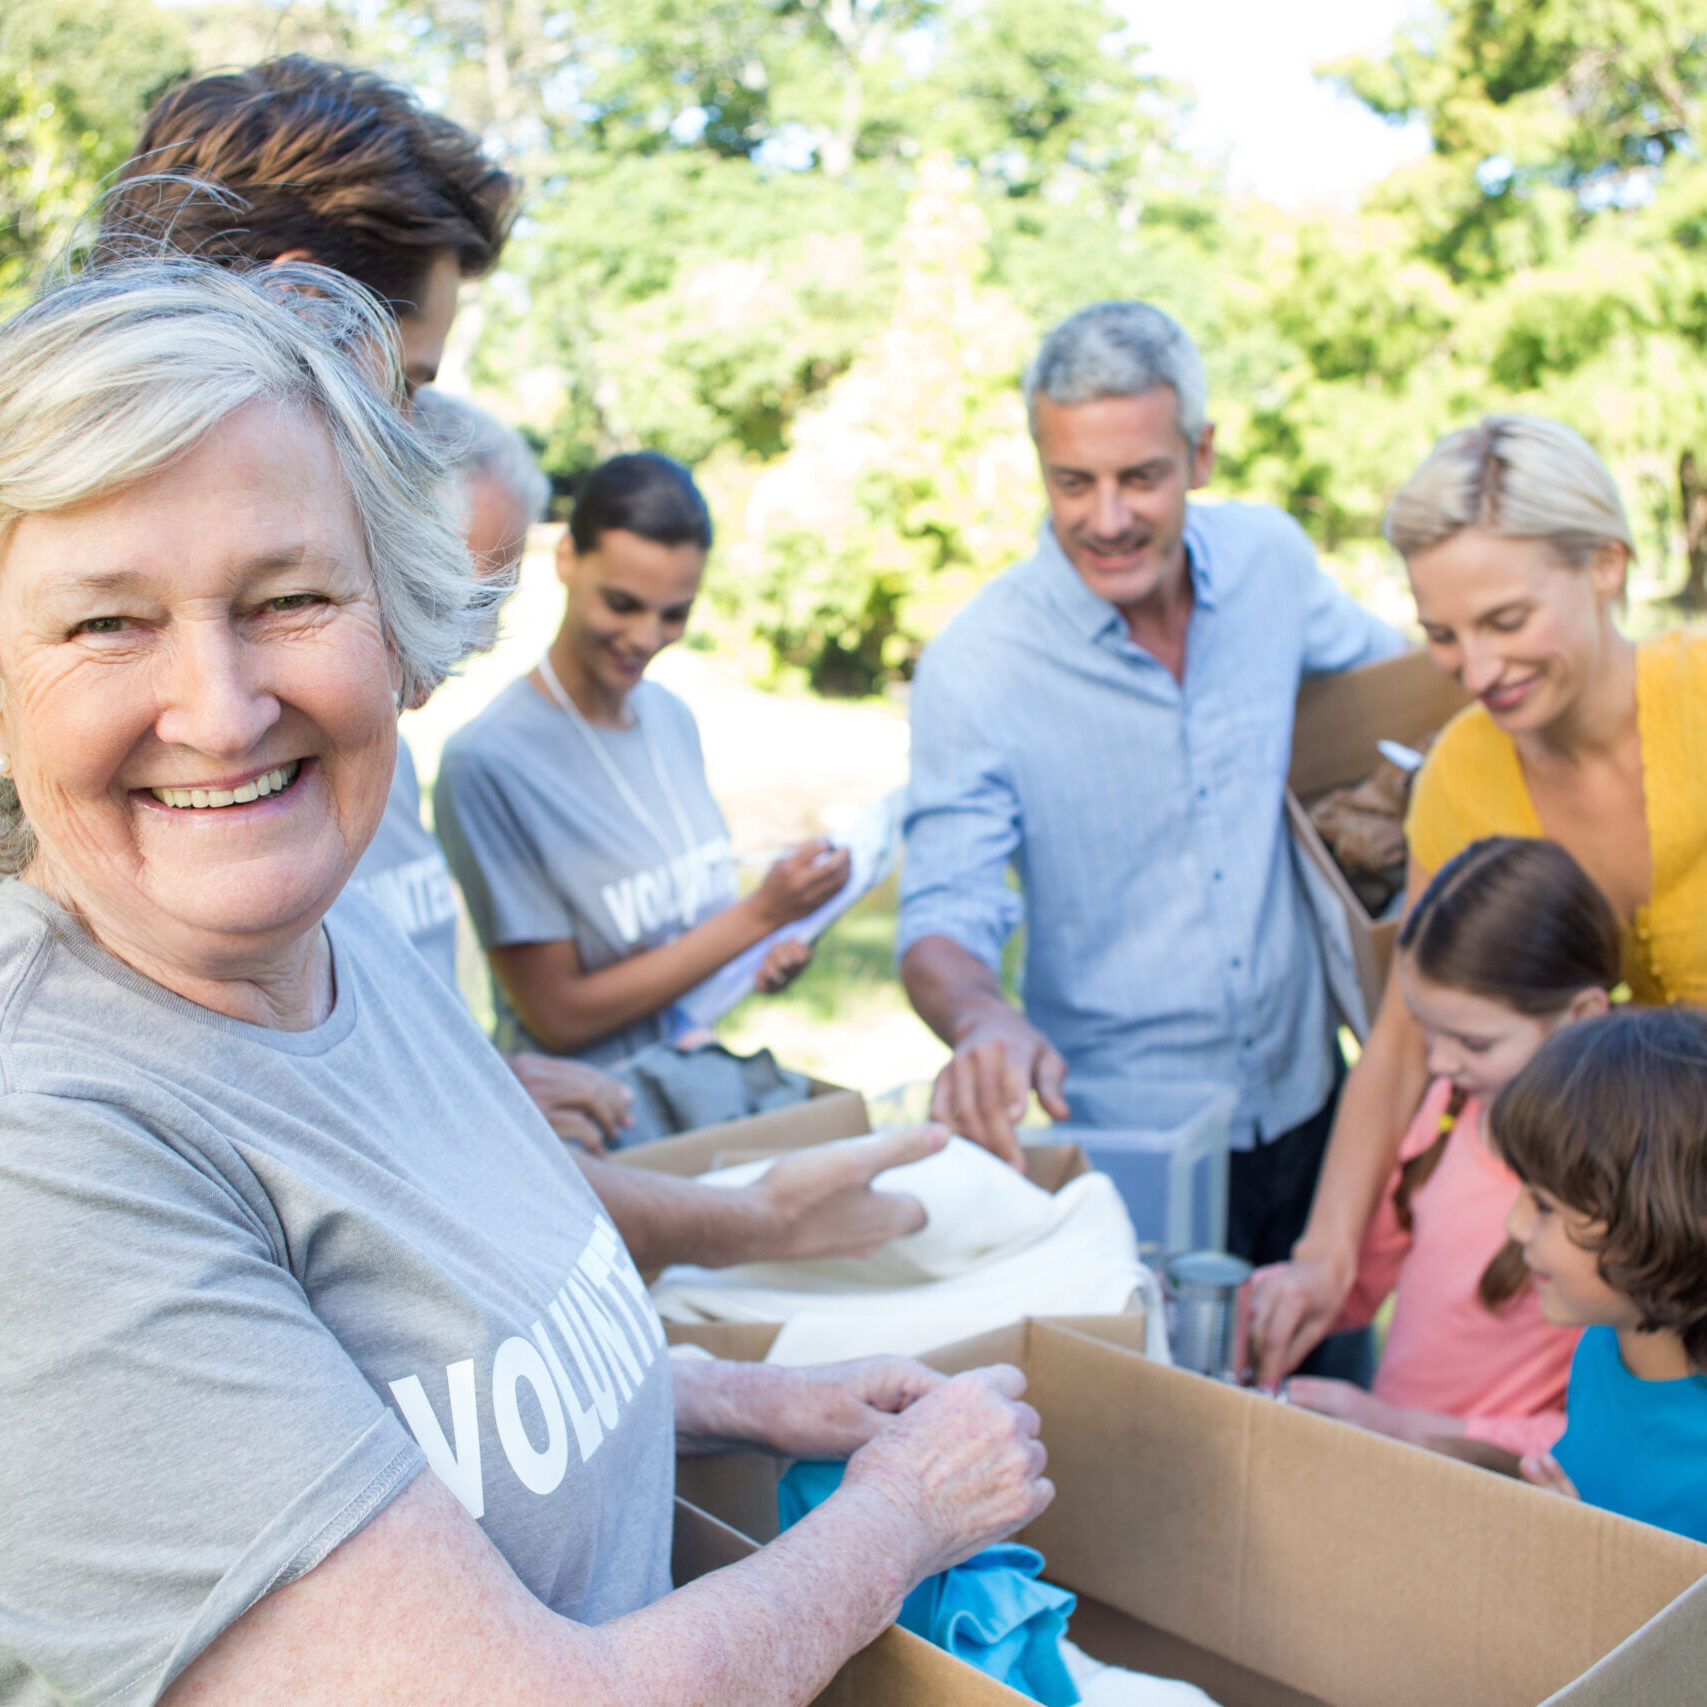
(1607,1129)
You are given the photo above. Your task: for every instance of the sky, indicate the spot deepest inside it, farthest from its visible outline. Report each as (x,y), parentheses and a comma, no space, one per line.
(1284,135)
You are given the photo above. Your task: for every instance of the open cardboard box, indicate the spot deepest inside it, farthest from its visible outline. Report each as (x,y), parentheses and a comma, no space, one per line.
(1335,727)
(897,1670)
(838,1114)
(1280,1559)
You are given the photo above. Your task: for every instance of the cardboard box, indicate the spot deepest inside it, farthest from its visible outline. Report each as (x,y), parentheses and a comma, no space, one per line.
(840,1114)
(1280,1559)
(897,1670)
(742,1489)
(831,1114)
(1336,725)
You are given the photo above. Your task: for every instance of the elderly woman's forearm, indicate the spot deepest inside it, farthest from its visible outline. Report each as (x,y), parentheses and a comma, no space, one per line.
(773,1630)
(420,1607)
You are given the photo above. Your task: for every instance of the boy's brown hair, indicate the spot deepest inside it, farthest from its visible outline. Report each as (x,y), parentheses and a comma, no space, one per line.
(1610,1119)
(298,154)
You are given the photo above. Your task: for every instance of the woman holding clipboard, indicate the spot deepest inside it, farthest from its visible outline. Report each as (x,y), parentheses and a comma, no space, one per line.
(575,809)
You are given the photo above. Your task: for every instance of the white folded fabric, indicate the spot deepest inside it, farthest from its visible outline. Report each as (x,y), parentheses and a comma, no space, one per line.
(995,1248)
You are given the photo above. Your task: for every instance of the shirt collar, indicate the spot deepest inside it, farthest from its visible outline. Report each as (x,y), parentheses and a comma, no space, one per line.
(1094,616)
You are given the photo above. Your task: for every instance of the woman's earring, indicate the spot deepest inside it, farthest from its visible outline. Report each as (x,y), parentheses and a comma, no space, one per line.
(5,764)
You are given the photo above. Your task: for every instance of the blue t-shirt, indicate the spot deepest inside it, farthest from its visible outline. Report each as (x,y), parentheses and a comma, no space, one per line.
(1636,1447)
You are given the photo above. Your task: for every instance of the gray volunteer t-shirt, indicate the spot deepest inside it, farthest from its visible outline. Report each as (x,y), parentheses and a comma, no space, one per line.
(404,873)
(545,846)
(251,1280)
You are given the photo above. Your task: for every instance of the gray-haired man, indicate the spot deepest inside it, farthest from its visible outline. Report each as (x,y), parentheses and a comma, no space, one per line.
(1112,720)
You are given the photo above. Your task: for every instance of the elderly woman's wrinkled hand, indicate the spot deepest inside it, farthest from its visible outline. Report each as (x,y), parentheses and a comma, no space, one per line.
(962,1466)
(833,1409)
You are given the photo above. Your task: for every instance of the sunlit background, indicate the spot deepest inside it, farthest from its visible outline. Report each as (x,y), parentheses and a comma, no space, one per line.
(807,245)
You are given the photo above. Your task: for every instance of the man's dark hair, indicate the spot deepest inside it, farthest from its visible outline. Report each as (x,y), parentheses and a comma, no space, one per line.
(245,166)
(1609,1118)
(644,493)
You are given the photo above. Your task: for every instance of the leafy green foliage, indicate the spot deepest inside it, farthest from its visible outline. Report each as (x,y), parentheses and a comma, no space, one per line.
(808,245)
(75,80)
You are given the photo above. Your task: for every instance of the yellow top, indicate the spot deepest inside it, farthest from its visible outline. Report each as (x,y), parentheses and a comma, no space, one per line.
(1473,786)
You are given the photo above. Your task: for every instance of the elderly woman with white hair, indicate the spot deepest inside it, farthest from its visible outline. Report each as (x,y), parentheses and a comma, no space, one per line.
(1517,548)
(253,1278)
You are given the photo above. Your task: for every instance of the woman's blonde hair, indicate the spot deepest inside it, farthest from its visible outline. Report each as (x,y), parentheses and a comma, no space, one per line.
(110,377)
(1522,476)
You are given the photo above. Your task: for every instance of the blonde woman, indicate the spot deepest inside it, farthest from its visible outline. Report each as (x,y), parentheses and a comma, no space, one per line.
(1517,547)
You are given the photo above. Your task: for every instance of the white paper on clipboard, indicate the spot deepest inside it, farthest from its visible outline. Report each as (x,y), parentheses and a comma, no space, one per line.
(873,841)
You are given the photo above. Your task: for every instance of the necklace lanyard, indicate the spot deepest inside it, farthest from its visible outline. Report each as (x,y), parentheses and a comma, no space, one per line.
(634,803)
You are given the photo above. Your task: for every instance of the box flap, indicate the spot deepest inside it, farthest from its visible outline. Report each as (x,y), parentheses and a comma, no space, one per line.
(1051,1166)
(1339,718)
(703,1543)
(1663,1665)
(835,1114)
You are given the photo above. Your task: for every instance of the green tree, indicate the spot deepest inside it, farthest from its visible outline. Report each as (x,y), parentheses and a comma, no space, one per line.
(76,76)
(1549,253)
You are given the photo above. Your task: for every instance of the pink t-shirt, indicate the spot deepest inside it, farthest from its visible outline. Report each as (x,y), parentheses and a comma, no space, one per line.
(1505,1373)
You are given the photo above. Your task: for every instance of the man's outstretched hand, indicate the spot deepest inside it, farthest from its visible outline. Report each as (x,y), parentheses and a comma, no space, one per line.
(983,1091)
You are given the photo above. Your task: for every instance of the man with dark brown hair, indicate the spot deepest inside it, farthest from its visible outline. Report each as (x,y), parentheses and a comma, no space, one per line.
(299,160)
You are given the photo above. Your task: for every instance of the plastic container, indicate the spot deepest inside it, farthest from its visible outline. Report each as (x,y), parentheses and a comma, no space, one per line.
(1168,1158)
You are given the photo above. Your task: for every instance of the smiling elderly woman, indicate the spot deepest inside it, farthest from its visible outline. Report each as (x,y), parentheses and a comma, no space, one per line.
(254,1275)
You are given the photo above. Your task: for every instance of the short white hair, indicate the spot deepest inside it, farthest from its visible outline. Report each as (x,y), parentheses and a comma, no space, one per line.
(1521,476)
(1120,349)
(476,445)
(111,377)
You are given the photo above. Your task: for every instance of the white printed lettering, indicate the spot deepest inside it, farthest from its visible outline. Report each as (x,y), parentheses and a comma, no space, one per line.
(649,897)
(587,1359)
(637,1307)
(459,1467)
(619,903)
(588,1435)
(540,1472)
(619,1355)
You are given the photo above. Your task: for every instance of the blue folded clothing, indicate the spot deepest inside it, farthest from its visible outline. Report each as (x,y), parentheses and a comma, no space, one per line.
(991,1612)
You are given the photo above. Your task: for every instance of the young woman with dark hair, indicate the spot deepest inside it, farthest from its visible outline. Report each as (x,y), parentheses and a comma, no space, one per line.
(1607,1130)
(1510,943)
(575,809)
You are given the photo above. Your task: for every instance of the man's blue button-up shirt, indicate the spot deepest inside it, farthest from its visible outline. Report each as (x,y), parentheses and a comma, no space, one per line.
(1167,935)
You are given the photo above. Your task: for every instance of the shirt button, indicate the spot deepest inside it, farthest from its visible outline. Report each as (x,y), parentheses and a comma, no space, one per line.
(1217,877)
(1203,794)
(1237,963)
